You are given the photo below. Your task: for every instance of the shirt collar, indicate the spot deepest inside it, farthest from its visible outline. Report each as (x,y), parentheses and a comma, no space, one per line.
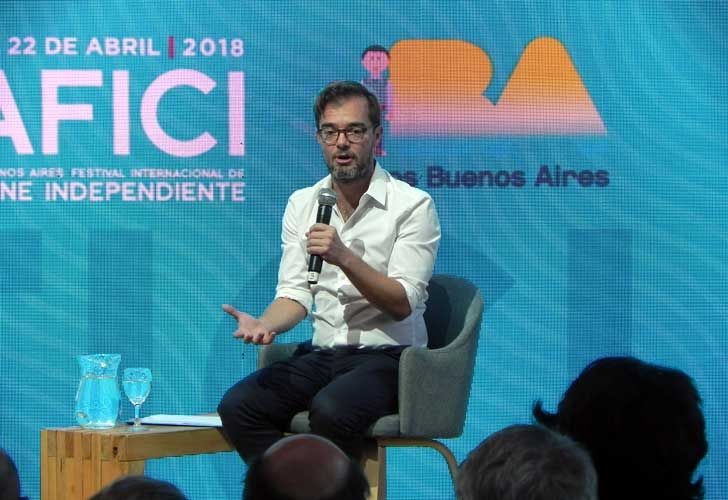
(377,189)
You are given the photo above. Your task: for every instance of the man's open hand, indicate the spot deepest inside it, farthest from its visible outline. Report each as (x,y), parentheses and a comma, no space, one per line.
(251,330)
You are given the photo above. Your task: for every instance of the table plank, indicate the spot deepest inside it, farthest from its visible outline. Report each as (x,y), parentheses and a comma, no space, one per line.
(172,441)
(48,464)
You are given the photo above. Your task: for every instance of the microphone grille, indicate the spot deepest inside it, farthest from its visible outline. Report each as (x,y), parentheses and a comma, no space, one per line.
(327,196)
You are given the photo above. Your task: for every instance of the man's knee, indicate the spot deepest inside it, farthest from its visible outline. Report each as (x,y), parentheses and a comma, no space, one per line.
(234,403)
(329,417)
(227,406)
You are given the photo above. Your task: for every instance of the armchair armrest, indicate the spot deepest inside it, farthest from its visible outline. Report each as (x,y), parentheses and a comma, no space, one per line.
(433,393)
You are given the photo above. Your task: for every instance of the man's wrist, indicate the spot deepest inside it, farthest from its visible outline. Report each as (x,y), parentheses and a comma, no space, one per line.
(348,260)
(267,326)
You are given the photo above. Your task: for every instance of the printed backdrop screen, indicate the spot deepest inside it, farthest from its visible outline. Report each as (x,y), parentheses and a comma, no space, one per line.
(577,153)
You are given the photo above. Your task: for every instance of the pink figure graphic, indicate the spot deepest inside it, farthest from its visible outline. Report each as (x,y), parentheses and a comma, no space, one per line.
(375,60)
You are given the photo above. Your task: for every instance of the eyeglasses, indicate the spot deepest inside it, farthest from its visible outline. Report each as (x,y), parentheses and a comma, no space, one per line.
(330,135)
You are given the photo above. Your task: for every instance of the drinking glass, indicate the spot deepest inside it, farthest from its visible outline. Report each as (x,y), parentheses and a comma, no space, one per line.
(137,383)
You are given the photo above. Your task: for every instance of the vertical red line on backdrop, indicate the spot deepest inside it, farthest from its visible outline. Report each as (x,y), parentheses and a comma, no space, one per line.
(170,47)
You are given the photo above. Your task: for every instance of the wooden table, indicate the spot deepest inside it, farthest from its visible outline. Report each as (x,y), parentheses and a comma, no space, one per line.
(77,462)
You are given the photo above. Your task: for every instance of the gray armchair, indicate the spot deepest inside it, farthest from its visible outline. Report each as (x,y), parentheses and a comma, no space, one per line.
(434,382)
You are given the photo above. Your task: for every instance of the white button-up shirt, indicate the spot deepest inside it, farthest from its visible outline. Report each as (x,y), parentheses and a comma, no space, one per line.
(395,229)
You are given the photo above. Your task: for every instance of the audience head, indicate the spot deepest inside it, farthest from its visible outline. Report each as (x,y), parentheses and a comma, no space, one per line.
(642,425)
(305,467)
(139,488)
(9,481)
(527,462)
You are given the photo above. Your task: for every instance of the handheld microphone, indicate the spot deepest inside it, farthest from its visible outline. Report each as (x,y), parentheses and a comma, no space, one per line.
(327,200)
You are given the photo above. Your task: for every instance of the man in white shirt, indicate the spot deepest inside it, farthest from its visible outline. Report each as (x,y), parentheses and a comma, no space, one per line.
(379,251)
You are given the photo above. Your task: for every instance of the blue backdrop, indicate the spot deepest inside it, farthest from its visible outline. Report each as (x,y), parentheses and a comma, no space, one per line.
(580,181)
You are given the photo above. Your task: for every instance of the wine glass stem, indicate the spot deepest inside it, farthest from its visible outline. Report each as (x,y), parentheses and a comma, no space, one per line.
(137,421)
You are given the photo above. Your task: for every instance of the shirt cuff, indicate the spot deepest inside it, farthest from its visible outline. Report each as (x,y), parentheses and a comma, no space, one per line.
(302,297)
(414,296)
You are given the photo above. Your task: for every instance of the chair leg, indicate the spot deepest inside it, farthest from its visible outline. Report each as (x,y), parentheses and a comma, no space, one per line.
(374,464)
(452,464)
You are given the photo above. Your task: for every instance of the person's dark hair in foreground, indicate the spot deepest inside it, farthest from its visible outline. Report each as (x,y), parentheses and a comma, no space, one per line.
(527,462)
(9,481)
(305,467)
(139,488)
(642,425)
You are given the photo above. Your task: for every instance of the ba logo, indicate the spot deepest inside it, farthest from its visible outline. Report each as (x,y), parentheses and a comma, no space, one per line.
(438,88)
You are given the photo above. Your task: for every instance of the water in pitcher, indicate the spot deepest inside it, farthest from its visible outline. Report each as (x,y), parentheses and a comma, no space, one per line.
(97,399)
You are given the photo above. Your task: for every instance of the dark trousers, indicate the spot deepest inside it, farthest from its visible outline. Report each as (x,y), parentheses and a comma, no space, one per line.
(344,389)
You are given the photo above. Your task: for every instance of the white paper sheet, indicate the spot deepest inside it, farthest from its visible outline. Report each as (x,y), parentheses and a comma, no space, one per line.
(191,420)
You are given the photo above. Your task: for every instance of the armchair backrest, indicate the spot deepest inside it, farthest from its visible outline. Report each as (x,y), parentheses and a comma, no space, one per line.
(452,303)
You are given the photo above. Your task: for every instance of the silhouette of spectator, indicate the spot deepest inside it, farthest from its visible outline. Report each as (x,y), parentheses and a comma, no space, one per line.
(9,480)
(527,462)
(139,488)
(642,425)
(305,467)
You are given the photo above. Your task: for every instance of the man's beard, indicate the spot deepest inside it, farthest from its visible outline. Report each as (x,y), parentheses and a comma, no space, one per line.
(350,173)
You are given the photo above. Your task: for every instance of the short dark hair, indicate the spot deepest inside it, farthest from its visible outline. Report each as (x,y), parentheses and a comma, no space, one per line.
(527,462)
(257,487)
(139,488)
(9,480)
(641,423)
(339,91)
(374,48)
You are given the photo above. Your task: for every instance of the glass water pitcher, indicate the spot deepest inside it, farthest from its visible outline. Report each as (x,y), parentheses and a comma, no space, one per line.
(97,398)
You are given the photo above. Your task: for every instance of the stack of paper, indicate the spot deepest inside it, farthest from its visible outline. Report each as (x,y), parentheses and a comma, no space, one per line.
(191,420)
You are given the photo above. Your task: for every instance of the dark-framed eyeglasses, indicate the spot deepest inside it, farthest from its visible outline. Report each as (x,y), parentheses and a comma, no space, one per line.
(330,135)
